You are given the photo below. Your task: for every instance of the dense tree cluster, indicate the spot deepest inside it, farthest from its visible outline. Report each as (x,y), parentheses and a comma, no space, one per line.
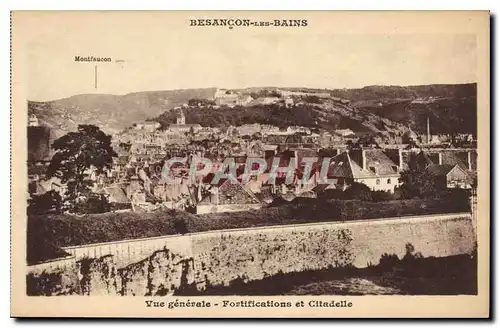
(265,114)
(200,102)
(265,93)
(312,99)
(358,191)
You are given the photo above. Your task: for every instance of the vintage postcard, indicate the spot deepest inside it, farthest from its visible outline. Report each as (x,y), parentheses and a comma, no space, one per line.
(250,164)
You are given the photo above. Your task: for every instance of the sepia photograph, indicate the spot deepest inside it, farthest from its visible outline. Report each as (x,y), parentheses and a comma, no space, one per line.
(230,161)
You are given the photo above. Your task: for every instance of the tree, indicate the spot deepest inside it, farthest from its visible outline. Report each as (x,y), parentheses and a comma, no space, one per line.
(49,202)
(76,153)
(408,139)
(191,132)
(359,191)
(200,102)
(180,226)
(417,183)
(367,140)
(381,196)
(257,136)
(312,99)
(333,194)
(94,203)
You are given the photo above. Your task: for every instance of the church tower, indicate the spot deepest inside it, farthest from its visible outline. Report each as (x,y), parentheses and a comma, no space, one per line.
(181,119)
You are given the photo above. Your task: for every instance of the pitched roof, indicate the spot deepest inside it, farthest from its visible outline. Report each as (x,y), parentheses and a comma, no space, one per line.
(377,159)
(343,166)
(116,194)
(439,170)
(444,169)
(230,192)
(377,164)
(122,159)
(454,157)
(426,158)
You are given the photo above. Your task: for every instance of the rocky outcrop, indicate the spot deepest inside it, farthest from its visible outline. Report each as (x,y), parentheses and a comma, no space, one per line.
(98,276)
(160,274)
(59,281)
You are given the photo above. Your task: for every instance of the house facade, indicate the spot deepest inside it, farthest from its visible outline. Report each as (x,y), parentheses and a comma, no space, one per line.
(371,167)
(450,176)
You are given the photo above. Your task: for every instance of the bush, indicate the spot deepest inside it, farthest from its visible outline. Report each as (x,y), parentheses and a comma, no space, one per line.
(66,230)
(381,196)
(359,191)
(388,262)
(312,100)
(49,202)
(180,226)
(333,194)
(93,203)
(199,101)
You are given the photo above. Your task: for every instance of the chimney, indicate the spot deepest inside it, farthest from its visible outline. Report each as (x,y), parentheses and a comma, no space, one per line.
(428,131)
(400,162)
(296,159)
(215,195)
(363,158)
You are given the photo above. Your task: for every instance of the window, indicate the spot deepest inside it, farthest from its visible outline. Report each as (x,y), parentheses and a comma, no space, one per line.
(377,181)
(388,181)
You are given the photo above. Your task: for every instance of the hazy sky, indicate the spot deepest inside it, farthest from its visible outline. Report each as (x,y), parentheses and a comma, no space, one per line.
(162,54)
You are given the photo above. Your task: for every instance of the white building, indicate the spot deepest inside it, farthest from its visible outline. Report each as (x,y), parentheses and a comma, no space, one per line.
(33,120)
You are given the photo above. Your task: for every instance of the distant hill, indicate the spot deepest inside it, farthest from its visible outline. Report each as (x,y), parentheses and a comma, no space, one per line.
(450,108)
(380,109)
(407,92)
(111,112)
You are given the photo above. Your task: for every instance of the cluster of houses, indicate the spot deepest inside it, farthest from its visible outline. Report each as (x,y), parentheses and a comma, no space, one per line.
(137,179)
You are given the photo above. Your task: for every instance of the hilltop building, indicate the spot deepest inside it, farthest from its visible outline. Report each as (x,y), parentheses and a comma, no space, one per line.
(224,97)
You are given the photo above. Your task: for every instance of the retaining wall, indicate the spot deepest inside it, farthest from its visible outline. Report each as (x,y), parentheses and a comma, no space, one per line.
(163,264)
